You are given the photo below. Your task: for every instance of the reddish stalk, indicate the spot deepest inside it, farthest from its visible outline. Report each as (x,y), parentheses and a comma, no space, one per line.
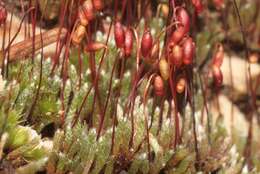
(176,117)
(102,118)
(9,43)
(80,65)
(3,53)
(58,44)
(160,117)
(146,119)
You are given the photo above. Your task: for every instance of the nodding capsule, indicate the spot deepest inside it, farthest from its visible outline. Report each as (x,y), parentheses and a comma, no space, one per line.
(219,56)
(158,86)
(82,18)
(183,18)
(217,76)
(188,51)
(181,85)
(177,35)
(119,35)
(128,42)
(253,58)
(176,55)
(198,6)
(146,43)
(98,4)
(94,46)
(3,14)
(78,34)
(88,10)
(164,69)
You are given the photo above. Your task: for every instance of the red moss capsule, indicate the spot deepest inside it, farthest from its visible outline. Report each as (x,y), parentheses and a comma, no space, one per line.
(177,35)
(183,18)
(94,46)
(198,6)
(78,34)
(146,43)
(217,75)
(188,51)
(3,14)
(158,86)
(176,55)
(119,35)
(88,10)
(181,85)
(128,42)
(219,56)
(98,4)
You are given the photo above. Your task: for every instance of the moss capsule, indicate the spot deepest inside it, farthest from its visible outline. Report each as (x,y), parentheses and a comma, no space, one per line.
(146,43)
(128,42)
(177,35)
(181,85)
(176,55)
(3,14)
(188,51)
(78,34)
(119,35)
(164,69)
(217,75)
(158,86)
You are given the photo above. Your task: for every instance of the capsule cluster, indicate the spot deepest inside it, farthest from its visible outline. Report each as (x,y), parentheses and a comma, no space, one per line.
(218,58)
(180,48)
(3,14)
(123,38)
(86,13)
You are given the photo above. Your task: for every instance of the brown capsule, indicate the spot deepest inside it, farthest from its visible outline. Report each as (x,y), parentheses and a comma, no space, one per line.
(98,4)
(217,75)
(78,34)
(165,10)
(177,35)
(158,86)
(82,18)
(198,6)
(88,10)
(3,14)
(176,55)
(253,58)
(164,69)
(128,42)
(181,85)
(183,18)
(219,56)
(146,43)
(94,46)
(188,51)
(119,35)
